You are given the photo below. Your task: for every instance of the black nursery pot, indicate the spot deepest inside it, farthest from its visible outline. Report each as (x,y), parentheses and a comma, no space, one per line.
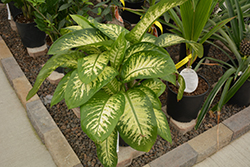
(242,96)
(129,16)
(30,35)
(187,108)
(122,142)
(13,9)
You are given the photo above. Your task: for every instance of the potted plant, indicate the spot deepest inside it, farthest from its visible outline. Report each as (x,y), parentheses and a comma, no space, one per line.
(194,16)
(31,36)
(237,72)
(115,81)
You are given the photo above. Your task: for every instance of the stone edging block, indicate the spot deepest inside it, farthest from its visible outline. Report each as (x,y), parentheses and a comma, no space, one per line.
(239,123)
(60,150)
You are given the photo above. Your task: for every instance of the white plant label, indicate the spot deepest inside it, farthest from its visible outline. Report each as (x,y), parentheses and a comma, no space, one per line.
(191,79)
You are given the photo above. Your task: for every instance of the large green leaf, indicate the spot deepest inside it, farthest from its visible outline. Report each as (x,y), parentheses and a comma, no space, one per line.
(155,85)
(166,40)
(143,46)
(100,115)
(106,150)
(152,14)
(137,126)
(162,125)
(117,51)
(111,30)
(60,90)
(147,64)
(91,66)
(112,87)
(77,93)
(75,39)
(149,38)
(81,21)
(67,58)
(151,95)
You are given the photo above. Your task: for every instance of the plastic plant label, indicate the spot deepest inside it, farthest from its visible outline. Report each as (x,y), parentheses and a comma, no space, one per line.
(191,79)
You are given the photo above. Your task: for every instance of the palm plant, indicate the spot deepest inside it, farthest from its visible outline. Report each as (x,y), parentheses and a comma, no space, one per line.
(238,71)
(115,79)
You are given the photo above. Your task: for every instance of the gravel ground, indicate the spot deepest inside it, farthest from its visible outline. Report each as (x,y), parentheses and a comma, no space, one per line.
(70,124)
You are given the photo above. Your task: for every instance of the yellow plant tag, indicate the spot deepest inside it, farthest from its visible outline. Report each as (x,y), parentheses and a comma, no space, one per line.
(183,61)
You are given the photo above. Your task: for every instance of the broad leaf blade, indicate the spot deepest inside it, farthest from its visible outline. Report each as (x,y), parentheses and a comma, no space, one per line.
(68,58)
(77,93)
(152,14)
(106,150)
(100,115)
(112,87)
(155,85)
(111,30)
(162,125)
(143,46)
(81,21)
(75,39)
(147,64)
(60,90)
(91,66)
(117,51)
(137,126)
(151,95)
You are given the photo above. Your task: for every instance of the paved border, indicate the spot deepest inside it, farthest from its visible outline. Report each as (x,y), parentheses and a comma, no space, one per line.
(187,154)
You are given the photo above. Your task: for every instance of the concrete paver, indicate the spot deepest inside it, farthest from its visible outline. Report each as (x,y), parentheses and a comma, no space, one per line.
(19,144)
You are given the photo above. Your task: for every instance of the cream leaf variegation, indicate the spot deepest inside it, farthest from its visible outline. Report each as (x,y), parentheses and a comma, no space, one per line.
(151,95)
(77,93)
(143,46)
(111,30)
(76,39)
(162,125)
(100,115)
(112,87)
(137,125)
(91,66)
(117,51)
(155,85)
(106,150)
(147,64)
(60,90)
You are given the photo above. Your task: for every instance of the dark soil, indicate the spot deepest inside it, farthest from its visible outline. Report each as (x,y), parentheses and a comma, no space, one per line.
(69,124)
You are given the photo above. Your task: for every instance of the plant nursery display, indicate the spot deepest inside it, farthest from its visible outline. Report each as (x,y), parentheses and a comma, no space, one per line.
(114,80)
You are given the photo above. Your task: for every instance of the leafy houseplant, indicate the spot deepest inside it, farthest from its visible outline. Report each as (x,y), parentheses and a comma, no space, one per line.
(30,35)
(238,71)
(115,81)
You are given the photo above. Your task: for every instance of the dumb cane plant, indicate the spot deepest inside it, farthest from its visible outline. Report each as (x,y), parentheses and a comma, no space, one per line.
(115,80)
(237,72)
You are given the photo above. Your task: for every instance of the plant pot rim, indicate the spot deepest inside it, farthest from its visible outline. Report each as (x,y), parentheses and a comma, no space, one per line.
(193,95)
(33,22)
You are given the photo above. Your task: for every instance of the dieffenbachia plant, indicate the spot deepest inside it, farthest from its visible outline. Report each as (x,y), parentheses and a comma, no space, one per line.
(115,80)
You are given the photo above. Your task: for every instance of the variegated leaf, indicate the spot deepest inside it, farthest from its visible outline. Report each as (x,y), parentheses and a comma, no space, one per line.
(155,85)
(91,66)
(170,78)
(111,30)
(77,93)
(151,15)
(117,51)
(100,115)
(143,46)
(147,64)
(156,103)
(67,58)
(137,126)
(149,38)
(76,39)
(112,87)
(166,40)
(106,151)
(162,125)
(60,90)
